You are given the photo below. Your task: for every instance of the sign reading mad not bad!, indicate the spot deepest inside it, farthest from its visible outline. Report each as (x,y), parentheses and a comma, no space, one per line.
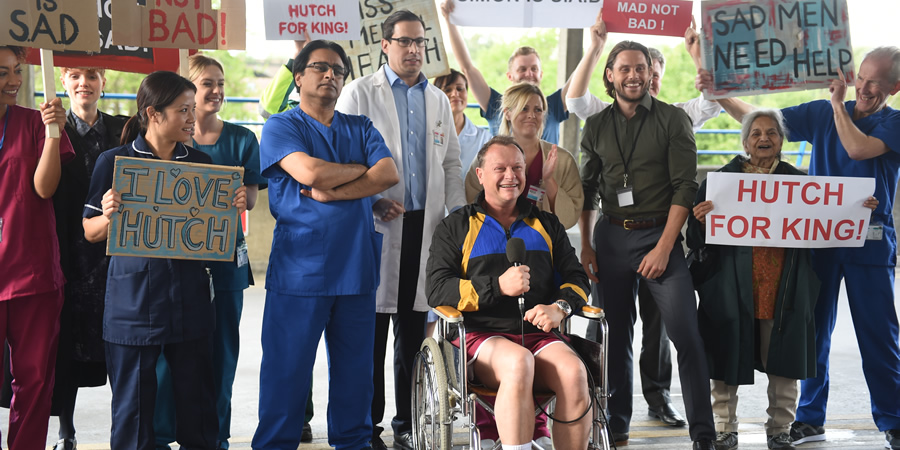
(182,24)
(761,46)
(50,24)
(657,17)
(174,210)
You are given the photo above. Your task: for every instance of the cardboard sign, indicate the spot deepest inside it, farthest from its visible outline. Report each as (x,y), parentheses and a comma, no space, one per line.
(180,24)
(787,210)
(289,19)
(111,56)
(527,14)
(174,210)
(756,47)
(658,17)
(365,53)
(49,24)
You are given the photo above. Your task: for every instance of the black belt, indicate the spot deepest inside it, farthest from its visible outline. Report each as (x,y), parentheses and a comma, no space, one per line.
(638,224)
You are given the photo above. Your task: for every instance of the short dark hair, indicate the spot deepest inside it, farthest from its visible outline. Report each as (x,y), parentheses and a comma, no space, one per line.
(302,58)
(403,15)
(611,61)
(442,81)
(18,51)
(496,140)
(159,90)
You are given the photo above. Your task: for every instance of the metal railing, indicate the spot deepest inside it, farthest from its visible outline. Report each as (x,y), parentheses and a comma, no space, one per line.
(800,153)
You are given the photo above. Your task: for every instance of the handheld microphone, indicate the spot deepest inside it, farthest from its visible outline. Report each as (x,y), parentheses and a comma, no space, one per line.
(515,253)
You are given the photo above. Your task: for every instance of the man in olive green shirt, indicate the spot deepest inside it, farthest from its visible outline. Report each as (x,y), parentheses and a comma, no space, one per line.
(640,159)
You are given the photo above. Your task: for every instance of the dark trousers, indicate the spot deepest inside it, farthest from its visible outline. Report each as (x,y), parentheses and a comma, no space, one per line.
(132,377)
(656,355)
(619,254)
(409,331)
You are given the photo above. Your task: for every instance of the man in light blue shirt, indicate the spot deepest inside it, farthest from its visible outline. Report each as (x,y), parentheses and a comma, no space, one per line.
(420,132)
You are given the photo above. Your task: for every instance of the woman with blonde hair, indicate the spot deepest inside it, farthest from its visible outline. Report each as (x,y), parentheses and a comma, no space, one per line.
(552,179)
(230,145)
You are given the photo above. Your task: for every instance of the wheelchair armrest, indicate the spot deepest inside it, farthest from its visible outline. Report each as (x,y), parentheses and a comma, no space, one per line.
(591,312)
(448,313)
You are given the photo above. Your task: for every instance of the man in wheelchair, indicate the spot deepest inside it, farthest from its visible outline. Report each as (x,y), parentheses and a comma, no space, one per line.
(510,347)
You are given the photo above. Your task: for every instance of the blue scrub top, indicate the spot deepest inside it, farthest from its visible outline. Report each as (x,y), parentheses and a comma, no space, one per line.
(814,122)
(320,249)
(236,146)
(151,301)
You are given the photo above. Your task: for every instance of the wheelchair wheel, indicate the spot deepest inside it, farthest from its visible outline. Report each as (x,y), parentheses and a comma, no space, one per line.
(432,428)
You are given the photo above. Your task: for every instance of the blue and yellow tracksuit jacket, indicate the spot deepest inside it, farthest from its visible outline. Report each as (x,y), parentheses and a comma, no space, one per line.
(468,255)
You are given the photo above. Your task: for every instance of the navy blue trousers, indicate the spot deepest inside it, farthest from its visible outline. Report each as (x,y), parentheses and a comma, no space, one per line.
(291,329)
(870,292)
(132,377)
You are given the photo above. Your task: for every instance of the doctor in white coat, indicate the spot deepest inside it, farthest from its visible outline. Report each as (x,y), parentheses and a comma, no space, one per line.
(395,98)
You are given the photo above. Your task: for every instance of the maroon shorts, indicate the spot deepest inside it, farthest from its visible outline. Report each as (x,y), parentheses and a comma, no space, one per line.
(534,342)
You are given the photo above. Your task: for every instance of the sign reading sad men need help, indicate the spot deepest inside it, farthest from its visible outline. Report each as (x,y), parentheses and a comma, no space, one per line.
(174,210)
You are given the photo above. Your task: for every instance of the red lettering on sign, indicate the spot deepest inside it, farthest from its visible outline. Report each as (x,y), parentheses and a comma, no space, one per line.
(158,29)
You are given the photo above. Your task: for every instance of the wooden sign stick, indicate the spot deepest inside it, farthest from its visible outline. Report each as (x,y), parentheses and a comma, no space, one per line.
(49,86)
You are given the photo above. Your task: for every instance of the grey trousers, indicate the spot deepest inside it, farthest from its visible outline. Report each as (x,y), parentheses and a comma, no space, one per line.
(619,254)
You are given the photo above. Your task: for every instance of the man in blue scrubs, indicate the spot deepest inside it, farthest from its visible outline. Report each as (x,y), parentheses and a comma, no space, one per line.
(858,138)
(323,167)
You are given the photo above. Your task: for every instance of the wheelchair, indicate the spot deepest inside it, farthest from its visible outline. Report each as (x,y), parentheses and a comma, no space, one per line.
(441,394)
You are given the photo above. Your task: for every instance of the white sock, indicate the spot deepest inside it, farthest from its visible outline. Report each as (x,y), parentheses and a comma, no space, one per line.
(516,447)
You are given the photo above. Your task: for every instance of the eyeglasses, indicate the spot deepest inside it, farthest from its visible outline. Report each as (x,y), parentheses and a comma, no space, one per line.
(321,67)
(406,42)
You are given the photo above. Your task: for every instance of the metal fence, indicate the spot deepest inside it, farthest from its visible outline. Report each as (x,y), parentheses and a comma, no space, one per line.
(800,153)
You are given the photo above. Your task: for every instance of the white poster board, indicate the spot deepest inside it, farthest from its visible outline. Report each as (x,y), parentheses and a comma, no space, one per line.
(528,14)
(787,210)
(333,20)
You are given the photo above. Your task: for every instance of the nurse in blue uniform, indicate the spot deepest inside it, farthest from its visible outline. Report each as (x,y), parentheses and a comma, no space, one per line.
(156,305)
(322,167)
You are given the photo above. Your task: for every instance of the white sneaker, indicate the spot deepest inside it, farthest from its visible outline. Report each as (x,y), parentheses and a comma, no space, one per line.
(542,443)
(487,444)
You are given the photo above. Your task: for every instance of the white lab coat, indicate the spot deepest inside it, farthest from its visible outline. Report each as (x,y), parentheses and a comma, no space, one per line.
(372,97)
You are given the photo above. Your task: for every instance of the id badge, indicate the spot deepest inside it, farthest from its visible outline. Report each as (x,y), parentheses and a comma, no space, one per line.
(536,193)
(212,289)
(243,258)
(625,195)
(438,137)
(875,232)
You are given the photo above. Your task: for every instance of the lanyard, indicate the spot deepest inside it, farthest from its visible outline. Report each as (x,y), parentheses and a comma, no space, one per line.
(633,146)
(5,123)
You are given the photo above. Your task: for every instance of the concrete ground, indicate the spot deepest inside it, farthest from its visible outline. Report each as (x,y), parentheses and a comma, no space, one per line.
(849,422)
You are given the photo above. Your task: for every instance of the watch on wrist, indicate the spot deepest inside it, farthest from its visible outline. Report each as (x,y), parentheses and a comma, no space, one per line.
(565,307)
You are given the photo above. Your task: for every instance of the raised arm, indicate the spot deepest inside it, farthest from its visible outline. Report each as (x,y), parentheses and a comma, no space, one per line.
(735,107)
(477,85)
(858,145)
(581,77)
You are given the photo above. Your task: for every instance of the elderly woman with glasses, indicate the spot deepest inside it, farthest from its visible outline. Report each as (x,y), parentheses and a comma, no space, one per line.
(745,291)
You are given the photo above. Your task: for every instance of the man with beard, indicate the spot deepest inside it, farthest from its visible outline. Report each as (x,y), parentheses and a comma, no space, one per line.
(417,124)
(640,159)
(524,67)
